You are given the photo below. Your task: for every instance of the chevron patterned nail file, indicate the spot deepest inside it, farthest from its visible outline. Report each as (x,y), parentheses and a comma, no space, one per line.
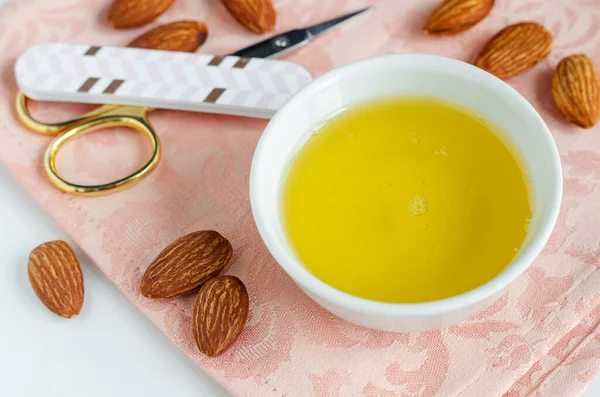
(158,79)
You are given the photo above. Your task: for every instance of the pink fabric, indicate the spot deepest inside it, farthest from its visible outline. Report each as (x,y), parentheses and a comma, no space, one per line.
(541,338)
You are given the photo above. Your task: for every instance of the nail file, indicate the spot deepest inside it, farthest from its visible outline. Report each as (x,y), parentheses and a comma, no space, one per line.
(158,79)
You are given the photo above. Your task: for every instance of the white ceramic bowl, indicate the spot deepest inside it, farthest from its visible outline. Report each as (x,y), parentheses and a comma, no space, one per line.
(390,75)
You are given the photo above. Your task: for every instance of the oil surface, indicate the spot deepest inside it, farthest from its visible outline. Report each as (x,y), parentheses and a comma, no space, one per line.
(406,200)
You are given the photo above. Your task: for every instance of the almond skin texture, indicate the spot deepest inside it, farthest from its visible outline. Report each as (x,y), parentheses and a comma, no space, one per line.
(186,264)
(220,314)
(183,36)
(257,16)
(125,14)
(575,90)
(55,275)
(515,49)
(455,16)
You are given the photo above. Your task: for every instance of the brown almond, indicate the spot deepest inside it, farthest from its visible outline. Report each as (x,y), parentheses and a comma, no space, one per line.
(575,90)
(220,314)
(257,16)
(186,264)
(515,49)
(56,277)
(125,14)
(455,16)
(183,36)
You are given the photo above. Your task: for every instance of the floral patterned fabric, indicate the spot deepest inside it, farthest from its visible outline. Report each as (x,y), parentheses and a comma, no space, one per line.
(540,338)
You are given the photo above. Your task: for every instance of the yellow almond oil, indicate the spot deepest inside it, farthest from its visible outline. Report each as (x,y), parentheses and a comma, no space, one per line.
(406,200)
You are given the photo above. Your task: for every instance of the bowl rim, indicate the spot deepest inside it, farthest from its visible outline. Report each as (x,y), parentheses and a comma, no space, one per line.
(311,284)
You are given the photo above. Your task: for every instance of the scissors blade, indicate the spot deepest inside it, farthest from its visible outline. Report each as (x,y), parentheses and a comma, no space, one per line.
(278,45)
(288,41)
(324,27)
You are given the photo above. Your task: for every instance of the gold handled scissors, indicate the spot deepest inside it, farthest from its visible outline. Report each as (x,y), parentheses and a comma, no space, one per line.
(102,117)
(130,82)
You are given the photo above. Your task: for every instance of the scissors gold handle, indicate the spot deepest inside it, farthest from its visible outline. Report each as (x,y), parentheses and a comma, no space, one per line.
(101,117)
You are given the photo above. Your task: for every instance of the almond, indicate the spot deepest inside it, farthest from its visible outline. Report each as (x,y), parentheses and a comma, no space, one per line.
(220,314)
(186,264)
(515,49)
(455,16)
(183,36)
(256,15)
(575,90)
(124,14)
(55,275)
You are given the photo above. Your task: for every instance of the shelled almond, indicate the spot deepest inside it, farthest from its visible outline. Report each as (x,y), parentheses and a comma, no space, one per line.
(515,49)
(257,16)
(456,16)
(56,277)
(185,264)
(220,314)
(575,90)
(183,36)
(124,14)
